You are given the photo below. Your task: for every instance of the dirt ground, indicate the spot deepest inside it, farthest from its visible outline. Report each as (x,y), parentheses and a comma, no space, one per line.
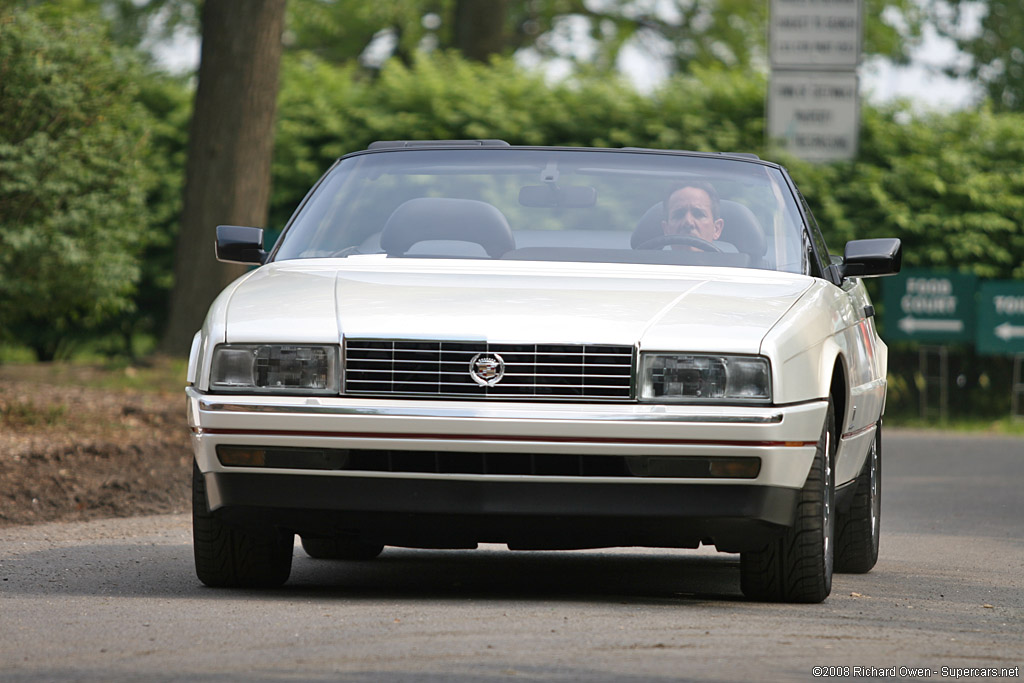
(71,450)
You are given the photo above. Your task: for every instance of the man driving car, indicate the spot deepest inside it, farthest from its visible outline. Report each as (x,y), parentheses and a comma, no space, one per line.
(692,209)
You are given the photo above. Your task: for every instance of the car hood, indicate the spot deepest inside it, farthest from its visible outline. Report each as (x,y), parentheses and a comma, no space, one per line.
(657,307)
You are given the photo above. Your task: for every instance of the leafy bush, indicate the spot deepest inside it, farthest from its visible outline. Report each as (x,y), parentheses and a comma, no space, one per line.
(72,199)
(951,186)
(325,111)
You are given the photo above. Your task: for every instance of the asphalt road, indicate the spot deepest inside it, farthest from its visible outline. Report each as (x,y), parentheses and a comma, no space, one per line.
(118,600)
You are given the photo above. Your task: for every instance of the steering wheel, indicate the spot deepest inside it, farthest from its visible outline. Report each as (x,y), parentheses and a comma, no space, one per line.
(688,240)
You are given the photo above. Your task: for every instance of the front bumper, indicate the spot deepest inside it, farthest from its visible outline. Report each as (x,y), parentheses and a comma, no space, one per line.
(437,509)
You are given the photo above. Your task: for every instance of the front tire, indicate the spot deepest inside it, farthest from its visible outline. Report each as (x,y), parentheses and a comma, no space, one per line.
(797,567)
(859,528)
(227,557)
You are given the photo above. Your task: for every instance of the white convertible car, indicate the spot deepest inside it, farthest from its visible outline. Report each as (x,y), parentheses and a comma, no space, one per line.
(462,342)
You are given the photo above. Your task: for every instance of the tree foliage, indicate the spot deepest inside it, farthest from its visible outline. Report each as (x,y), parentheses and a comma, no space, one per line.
(951,185)
(327,110)
(678,34)
(168,105)
(996,53)
(72,184)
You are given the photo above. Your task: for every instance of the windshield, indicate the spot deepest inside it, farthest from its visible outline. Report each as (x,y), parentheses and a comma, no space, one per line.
(551,205)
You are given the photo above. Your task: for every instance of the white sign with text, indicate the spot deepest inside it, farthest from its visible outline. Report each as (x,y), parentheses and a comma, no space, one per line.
(815,34)
(814,114)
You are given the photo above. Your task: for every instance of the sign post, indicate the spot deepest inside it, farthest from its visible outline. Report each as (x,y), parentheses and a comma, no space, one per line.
(813,107)
(1001,317)
(934,308)
(815,113)
(930,306)
(937,307)
(818,34)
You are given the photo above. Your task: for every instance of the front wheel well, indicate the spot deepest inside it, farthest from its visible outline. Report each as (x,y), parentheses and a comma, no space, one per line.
(837,389)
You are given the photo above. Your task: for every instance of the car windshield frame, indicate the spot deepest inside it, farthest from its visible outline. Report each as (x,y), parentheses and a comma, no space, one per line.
(542,204)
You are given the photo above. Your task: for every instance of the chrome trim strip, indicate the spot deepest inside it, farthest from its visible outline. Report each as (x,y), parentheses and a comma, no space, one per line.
(400,436)
(214,405)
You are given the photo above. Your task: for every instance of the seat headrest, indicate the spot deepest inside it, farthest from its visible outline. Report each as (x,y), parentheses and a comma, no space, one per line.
(741,228)
(443,218)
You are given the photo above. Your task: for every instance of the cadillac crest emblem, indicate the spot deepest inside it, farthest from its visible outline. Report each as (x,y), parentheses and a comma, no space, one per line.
(487,369)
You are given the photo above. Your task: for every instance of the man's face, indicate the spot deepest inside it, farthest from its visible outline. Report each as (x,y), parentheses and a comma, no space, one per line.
(689,213)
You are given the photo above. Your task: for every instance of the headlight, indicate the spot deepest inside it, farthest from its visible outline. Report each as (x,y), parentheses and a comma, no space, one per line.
(700,378)
(275,368)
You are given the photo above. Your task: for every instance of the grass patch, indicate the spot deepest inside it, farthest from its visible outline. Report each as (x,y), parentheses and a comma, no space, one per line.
(27,414)
(158,374)
(16,354)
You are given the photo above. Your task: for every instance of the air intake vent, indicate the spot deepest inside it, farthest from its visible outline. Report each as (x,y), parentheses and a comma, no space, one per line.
(442,369)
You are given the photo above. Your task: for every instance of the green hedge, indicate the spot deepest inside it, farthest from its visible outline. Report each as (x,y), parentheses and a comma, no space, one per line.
(325,111)
(73,174)
(950,185)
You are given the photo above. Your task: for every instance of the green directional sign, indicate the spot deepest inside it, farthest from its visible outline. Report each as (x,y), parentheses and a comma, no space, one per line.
(1001,317)
(931,306)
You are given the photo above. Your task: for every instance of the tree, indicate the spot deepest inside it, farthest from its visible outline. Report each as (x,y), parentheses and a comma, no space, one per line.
(478,28)
(227,177)
(995,54)
(678,33)
(593,35)
(73,217)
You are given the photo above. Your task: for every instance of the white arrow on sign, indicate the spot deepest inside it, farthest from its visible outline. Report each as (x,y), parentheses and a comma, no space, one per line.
(911,325)
(1006,331)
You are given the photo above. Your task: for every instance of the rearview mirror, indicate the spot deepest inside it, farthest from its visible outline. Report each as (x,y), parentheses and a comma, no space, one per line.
(552,196)
(240,244)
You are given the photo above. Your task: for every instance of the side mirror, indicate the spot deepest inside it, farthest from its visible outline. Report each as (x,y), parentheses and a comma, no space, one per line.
(239,244)
(871,258)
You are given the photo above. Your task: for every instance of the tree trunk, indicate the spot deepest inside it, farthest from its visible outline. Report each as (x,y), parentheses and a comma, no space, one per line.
(480,28)
(231,137)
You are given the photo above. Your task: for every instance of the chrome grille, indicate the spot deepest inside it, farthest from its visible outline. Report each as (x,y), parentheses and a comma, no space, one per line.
(532,371)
